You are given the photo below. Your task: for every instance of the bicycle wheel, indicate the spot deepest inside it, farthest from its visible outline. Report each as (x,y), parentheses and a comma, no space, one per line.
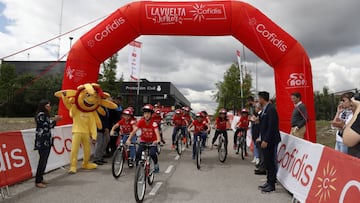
(238,142)
(151,175)
(117,162)
(158,148)
(187,141)
(242,146)
(140,183)
(178,144)
(222,151)
(198,154)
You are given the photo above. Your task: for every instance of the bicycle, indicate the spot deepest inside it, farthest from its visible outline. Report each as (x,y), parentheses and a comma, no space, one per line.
(144,172)
(198,150)
(222,148)
(178,142)
(241,144)
(120,155)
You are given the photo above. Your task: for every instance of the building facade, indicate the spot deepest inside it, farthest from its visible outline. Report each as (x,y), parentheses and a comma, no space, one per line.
(137,94)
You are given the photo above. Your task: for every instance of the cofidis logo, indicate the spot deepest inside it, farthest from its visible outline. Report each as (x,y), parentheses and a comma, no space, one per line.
(14,162)
(296,164)
(269,35)
(107,30)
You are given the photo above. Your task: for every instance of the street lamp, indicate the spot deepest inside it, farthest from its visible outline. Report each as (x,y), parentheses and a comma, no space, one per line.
(71,38)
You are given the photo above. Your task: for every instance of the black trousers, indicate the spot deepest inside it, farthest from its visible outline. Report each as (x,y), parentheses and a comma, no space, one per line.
(217,132)
(153,153)
(238,130)
(44,155)
(110,149)
(269,159)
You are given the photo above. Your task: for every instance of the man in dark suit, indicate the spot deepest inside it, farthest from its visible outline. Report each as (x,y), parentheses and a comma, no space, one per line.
(270,138)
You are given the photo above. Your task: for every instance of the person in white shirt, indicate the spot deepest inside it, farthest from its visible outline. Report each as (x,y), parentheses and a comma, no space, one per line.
(343,116)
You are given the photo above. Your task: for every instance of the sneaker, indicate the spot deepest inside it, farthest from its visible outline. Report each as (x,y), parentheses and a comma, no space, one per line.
(257,161)
(156,168)
(131,163)
(98,162)
(254,160)
(172,146)
(40,185)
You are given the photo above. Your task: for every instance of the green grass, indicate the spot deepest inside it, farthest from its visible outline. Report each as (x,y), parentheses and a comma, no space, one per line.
(324,134)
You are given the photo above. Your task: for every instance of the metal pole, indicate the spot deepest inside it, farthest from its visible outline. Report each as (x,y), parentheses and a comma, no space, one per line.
(71,38)
(60,26)
(256,79)
(241,88)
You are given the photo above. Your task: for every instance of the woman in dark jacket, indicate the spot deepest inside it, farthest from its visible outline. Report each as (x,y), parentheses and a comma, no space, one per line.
(43,139)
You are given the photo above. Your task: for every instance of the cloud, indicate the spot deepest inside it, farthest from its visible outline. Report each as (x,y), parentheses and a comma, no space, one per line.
(328,31)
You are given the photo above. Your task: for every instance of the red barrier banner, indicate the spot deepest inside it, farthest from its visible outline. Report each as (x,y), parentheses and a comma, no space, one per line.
(297,164)
(14,161)
(337,178)
(19,160)
(315,173)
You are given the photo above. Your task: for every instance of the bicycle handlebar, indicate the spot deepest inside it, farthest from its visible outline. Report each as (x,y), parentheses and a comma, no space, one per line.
(147,144)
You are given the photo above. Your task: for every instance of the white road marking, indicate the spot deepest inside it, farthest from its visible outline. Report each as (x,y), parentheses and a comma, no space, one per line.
(177,157)
(155,188)
(168,170)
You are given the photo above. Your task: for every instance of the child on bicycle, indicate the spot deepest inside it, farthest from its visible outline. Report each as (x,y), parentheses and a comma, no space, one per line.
(242,126)
(149,134)
(126,124)
(158,119)
(179,123)
(187,117)
(200,127)
(222,123)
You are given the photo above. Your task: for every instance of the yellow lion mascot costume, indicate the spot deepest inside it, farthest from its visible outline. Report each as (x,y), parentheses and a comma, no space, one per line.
(84,104)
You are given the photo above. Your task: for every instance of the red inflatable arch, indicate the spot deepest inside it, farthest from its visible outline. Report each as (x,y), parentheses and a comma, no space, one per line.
(213,18)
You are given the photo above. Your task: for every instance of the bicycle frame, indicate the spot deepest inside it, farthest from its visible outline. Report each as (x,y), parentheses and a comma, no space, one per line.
(144,165)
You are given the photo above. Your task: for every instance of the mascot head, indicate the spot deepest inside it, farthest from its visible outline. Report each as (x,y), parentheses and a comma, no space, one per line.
(88,97)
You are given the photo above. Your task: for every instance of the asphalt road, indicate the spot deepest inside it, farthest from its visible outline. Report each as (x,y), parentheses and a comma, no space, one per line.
(178,181)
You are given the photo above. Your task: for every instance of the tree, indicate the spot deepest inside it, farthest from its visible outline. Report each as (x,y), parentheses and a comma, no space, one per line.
(107,80)
(7,80)
(324,104)
(228,93)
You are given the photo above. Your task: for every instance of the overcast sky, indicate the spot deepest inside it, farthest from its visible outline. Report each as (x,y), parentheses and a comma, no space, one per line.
(328,30)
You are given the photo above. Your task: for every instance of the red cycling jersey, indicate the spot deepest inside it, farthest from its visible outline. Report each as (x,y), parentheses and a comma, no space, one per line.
(147,130)
(199,126)
(126,127)
(157,118)
(207,119)
(243,122)
(179,120)
(221,123)
(187,117)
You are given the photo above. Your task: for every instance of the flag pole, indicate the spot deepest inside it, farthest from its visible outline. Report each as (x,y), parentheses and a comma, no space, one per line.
(134,62)
(241,78)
